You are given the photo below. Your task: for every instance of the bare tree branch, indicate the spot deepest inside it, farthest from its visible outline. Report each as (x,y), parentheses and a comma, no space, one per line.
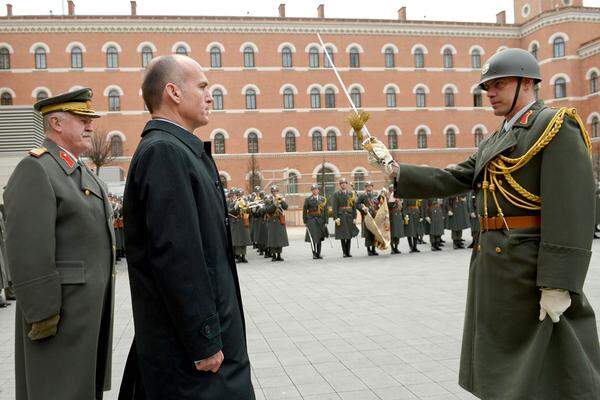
(100,153)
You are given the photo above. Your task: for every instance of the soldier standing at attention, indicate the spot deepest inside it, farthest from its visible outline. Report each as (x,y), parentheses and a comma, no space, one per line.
(412,215)
(343,204)
(529,332)
(396,220)
(277,237)
(367,203)
(435,221)
(240,232)
(315,216)
(60,245)
(458,219)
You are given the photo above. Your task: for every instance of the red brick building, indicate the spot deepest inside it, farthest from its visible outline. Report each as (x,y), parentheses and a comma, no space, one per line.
(276,98)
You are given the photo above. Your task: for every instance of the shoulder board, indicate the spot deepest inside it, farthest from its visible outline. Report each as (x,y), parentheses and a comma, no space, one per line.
(37,152)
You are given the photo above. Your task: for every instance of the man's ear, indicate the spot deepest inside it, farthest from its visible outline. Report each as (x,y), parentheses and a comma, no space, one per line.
(173,92)
(55,122)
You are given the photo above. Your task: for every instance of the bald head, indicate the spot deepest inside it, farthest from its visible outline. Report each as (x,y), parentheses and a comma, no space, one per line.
(161,71)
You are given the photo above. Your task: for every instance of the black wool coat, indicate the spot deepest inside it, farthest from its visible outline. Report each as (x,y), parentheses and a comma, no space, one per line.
(184,284)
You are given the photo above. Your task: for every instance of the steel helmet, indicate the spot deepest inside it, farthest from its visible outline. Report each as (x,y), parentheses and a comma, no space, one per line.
(510,63)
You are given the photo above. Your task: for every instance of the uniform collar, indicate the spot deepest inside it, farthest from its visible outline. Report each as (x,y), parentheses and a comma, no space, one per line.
(193,142)
(64,158)
(521,116)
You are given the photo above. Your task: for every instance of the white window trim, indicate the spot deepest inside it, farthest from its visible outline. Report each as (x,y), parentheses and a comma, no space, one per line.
(70,46)
(286,44)
(39,44)
(8,46)
(313,86)
(391,85)
(246,44)
(260,175)
(448,46)
(9,91)
(288,171)
(394,127)
(217,86)
(362,170)
(111,87)
(188,48)
(531,45)
(249,130)
(38,89)
(332,128)
(556,35)
(226,175)
(213,44)
(417,46)
(476,47)
(356,85)
(106,45)
(144,44)
(451,126)
(483,129)
(418,85)
(76,87)
(588,74)
(418,128)
(250,86)
(393,46)
(120,134)
(351,45)
(290,129)
(332,167)
(312,130)
(332,86)
(219,130)
(591,116)
(286,86)
(451,86)
(315,45)
(552,80)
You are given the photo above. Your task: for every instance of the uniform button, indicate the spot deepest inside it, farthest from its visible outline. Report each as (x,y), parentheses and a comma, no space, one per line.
(207,330)
(479,185)
(87,192)
(478,247)
(498,250)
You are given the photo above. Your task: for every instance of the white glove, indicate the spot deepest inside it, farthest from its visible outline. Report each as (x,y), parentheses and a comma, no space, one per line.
(450,213)
(554,302)
(472,215)
(338,221)
(428,220)
(379,156)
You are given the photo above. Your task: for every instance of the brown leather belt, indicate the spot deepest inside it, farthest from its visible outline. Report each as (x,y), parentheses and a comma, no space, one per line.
(314,213)
(412,207)
(497,223)
(345,208)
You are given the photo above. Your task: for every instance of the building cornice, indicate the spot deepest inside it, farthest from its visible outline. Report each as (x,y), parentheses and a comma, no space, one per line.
(589,49)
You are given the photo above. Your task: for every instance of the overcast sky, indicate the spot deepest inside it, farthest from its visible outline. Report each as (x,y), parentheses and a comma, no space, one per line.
(439,10)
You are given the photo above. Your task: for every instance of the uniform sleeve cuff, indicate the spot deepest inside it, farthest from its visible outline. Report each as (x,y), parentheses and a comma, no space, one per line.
(562,267)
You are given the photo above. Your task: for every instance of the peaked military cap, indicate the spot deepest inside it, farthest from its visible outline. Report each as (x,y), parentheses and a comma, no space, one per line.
(343,180)
(368,183)
(314,186)
(77,102)
(274,187)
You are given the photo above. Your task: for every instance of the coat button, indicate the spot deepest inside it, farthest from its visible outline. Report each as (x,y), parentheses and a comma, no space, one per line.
(478,247)
(207,330)
(498,250)
(479,185)
(87,192)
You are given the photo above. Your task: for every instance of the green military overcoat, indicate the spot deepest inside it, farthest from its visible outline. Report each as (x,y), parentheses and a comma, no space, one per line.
(240,233)
(459,219)
(413,217)
(507,353)
(60,246)
(344,208)
(314,216)
(276,231)
(396,219)
(435,213)
(369,200)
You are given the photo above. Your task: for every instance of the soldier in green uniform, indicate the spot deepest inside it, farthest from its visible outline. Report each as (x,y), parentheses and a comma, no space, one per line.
(277,237)
(367,203)
(60,246)
(435,221)
(529,333)
(412,217)
(343,204)
(396,220)
(458,219)
(239,225)
(315,216)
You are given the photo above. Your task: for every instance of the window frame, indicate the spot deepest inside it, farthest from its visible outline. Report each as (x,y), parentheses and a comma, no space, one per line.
(559,47)
(217,95)
(315,98)
(114,100)
(249,59)
(40,58)
(419,58)
(389,59)
(112,57)
(4,58)
(145,53)
(317,141)
(290,142)
(331,140)
(250,99)
(216,60)
(286,58)
(448,58)
(313,57)
(392,139)
(219,143)
(560,88)
(252,143)
(288,99)
(422,139)
(390,98)
(354,58)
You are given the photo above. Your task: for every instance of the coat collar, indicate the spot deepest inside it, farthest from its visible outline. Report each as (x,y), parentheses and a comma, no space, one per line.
(62,158)
(195,144)
(530,115)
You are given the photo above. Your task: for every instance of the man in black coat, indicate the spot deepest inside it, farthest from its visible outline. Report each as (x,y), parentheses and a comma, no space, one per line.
(189,325)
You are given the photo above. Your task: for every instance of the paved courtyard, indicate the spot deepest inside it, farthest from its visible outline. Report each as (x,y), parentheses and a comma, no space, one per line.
(386,327)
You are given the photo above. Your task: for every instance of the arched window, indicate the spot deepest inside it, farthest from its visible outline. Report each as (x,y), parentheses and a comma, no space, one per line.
(223,180)
(558,47)
(6,99)
(593,82)
(534,50)
(40,58)
(290,142)
(477,98)
(419,58)
(215,57)
(76,57)
(356,98)
(329,98)
(147,56)
(315,98)
(313,57)
(356,145)
(450,138)
(317,141)
(116,146)
(478,136)
(219,142)
(248,57)
(181,50)
(41,95)
(331,141)
(114,100)
(250,99)
(292,183)
(389,58)
(112,57)
(286,57)
(325,180)
(326,62)
(449,97)
(359,180)
(595,127)
(392,139)
(217,96)
(390,97)
(288,98)
(448,58)
(4,58)
(475,58)
(421,139)
(252,142)
(560,88)
(354,58)
(421,97)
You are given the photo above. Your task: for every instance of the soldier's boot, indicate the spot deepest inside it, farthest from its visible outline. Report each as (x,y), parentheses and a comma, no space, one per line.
(243,258)
(413,247)
(369,251)
(374,251)
(472,244)
(315,256)
(348,245)
(278,258)
(318,250)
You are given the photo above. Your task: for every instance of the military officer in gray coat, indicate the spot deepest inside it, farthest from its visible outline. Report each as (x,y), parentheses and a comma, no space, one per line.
(458,219)
(240,225)
(412,219)
(434,218)
(277,237)
(396,220)
(314,216)
(343,204)
(367,203)
(60,246)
